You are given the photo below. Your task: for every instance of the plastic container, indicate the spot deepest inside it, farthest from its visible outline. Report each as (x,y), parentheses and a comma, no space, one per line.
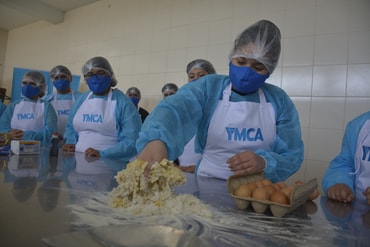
(298,197)
(25,146)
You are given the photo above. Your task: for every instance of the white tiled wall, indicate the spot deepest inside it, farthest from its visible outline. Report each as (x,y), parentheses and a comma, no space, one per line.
(324,65)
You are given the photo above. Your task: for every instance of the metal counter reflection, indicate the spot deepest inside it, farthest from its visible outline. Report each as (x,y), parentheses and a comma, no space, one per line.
(90,174)
(351,219)
(48,175)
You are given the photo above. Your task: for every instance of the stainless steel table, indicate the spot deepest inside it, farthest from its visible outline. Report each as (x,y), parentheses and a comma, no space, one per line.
(37,191)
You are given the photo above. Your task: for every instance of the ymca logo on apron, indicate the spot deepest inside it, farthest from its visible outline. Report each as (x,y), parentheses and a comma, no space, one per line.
(236,127)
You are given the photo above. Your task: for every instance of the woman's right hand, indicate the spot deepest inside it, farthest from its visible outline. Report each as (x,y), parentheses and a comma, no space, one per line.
(15,134)
(154,151)
(340,192)
(68,148)
(190,169)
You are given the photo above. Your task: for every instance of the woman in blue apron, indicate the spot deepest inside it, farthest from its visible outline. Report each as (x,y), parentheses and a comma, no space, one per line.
(348,175)
(195,70)
(30,118)
(242,124)
(103,122)
(63,98)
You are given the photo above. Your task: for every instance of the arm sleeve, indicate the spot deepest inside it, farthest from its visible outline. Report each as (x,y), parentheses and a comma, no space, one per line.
(50,126)
(6,117)
(2,108)
(175,119)
(128,125)
(286,154)
(341,168)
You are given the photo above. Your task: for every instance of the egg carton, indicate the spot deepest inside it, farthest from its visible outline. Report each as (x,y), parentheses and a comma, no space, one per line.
(297,198)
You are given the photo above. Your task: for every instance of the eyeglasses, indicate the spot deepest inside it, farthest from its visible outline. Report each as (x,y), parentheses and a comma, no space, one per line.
(95,73)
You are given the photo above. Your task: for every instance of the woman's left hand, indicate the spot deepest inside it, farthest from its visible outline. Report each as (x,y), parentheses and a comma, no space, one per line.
(246,163)
(91,152)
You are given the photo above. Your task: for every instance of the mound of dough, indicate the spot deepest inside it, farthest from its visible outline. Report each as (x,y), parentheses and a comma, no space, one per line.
(153,195)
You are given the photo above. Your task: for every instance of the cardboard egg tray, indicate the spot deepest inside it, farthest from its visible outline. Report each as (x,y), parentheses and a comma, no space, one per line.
(298,196)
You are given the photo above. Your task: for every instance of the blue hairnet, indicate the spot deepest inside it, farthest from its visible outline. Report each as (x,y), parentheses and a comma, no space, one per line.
(200,64)
(99,63)
(39,79)
(60,70)
(261,42)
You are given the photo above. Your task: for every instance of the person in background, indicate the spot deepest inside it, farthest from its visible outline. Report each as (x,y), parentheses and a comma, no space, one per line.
(169,89)
(195,70)
(199,68)
(243,125)
(135,95)
(31,117)
(63,98)
(103,122)
(348,175)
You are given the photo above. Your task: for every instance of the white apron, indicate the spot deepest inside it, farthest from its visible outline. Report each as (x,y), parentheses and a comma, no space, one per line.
(362,160)
(236,127)
(28,115)
(62,108)
(95,124)
(189,156)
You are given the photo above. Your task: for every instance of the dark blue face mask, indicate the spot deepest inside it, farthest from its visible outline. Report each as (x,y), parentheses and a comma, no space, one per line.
(61,84)
(244,79)
(30,91)
(135,100)
(98,84)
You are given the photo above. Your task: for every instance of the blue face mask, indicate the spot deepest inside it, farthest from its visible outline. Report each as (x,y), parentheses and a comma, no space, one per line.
(98,84)
(135,100)
(30,91)
(61,84)
(245,79)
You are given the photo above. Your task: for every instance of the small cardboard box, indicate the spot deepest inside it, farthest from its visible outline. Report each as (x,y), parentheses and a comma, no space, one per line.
(298,197)
(25,147)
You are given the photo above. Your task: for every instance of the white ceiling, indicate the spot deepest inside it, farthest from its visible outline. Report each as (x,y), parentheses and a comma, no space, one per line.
(17,13)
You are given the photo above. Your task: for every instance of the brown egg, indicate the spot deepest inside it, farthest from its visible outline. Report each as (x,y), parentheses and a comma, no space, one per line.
(266,182)
(252,186)
(281,184)
(270,189)
(279,197)
(259,183)
(243,191)
(314,195)
(287,191)
(276,186)
(260,193)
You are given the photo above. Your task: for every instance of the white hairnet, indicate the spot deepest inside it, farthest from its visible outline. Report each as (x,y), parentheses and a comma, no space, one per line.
(134,90)
(60,70)
(200,64)
(170,86)
(99,63)
(39,79)
(260,41)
